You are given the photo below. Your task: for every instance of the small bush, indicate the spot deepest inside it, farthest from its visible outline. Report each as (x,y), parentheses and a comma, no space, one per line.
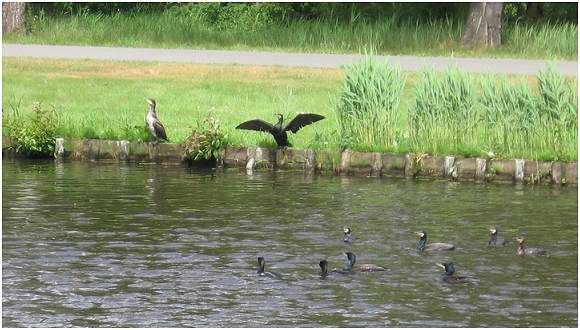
(205,141)
(35,134)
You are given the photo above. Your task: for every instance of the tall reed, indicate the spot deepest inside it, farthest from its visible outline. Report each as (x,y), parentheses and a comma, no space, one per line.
(367,110)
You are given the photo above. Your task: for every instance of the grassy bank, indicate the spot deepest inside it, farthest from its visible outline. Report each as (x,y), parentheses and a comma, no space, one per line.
(390,35)
(475,116)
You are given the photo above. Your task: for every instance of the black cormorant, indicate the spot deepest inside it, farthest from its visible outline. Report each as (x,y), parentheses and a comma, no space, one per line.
(154,124)
(523,250)
(448,277)
(365,268)
(263,272)
(423,246)
(277,130)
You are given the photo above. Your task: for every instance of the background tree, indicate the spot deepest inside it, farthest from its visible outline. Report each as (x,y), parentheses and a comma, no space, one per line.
(483,25)
(13,17)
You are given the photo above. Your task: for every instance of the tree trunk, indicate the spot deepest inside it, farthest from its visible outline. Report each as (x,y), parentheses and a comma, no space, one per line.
(13,17)
(483,25)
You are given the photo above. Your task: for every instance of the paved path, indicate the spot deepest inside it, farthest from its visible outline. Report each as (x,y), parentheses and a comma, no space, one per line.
(408,63)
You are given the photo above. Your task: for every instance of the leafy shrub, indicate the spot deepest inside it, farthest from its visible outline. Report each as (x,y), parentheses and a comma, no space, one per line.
(35,134)
(205,141)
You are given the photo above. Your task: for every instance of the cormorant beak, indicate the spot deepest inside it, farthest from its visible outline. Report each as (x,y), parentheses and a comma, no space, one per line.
(441,265)
(420,234)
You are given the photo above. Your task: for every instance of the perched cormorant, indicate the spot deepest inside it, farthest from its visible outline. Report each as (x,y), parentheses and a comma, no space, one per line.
(263,272)
(448,277)
(154,125)
(277,130)
(493,240)
(423,246)
(523,250)
(348,235)
(365,268)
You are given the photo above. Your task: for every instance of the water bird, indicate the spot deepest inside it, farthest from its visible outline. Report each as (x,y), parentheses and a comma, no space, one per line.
(364,268)
(493,240)
(523,250)
(262,270)
(449,276)
(153,123)
(347,235)
(279,131)
(424,247)
(324,270)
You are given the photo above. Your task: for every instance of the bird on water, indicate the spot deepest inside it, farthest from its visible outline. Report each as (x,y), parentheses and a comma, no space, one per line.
(364,268)
(324,270)
(277,130)
(348,238)
(523,250)
(262,270)
(153,123)
(493,240)
(424,247)
(449,276)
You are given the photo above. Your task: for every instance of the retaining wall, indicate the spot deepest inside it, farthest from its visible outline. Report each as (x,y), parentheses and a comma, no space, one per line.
(349,162)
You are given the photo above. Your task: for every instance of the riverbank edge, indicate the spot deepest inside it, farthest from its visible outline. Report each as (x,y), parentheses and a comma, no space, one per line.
(349,162)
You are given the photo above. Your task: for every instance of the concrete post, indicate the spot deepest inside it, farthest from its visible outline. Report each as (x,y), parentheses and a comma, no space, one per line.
(123,147)
(519,172)
(377,164)
(450,168)
(344,161)
(310,161)
(59,148)
(557,173)
(480,167)
(409,165)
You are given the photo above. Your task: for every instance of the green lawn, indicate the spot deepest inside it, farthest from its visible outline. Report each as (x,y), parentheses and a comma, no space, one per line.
(388,36)
(98,99)
(111,95)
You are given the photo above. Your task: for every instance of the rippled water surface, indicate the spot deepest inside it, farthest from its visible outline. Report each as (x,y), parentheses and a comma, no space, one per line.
(139,245)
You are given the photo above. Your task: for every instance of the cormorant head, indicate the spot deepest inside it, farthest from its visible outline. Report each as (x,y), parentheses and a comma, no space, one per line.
(261,264)
(323,268)
(351,259)
(151,103)
(280,117)
(493,231)
(449,268)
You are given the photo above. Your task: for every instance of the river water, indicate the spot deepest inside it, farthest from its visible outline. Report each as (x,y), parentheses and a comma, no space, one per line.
(144,245)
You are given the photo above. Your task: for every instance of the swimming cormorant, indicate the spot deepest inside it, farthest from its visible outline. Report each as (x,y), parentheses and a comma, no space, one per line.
(154,125)
(449,276)
(277,130)
(365,268)
(262,270)
(324,270)
(523,250)
(424,247)
(493,240)
(347,235)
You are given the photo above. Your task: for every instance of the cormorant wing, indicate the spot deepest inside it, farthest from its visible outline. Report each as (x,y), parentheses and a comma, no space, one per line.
(257,125)
(159,130)
(302,120)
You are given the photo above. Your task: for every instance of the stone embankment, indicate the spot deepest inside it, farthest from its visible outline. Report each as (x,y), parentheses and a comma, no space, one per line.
(347,163)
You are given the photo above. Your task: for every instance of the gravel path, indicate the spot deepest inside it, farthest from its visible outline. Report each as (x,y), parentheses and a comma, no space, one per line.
(408,63)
